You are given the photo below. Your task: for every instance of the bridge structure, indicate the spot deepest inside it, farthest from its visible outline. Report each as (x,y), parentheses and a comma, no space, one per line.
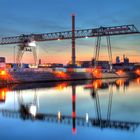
(26,42)
(24,113)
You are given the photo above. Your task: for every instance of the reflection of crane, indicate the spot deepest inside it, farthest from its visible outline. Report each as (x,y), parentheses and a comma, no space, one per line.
(95,96)
(80,121)
(25,112)
(94,87)
(110,102)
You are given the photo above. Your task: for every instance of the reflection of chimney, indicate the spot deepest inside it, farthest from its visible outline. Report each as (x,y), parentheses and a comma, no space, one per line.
(73,109)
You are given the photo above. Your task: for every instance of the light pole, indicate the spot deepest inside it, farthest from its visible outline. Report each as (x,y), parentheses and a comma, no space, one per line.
(14,54)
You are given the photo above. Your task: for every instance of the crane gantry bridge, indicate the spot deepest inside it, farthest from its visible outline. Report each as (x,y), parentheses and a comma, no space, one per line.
(24,40)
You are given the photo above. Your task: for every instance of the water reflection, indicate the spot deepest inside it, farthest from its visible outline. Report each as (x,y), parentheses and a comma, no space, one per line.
(30,110)
(2,95)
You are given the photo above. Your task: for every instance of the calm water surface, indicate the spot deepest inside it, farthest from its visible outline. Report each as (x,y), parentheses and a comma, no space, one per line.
(102,110)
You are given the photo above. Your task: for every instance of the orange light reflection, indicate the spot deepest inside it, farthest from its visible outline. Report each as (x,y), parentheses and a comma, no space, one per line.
(120,82)
(138,80)
(61,86)
(3,92)
(97,84)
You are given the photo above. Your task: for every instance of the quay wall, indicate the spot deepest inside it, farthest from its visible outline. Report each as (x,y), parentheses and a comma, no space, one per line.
(49,76)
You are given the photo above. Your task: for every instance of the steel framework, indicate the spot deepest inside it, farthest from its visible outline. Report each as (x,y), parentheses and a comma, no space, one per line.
(94,32)
(24,40)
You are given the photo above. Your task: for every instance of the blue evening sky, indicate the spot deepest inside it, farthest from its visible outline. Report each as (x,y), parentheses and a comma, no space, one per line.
(42,16)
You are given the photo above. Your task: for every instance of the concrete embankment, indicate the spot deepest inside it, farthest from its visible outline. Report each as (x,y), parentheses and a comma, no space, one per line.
(46,76)
(21,77)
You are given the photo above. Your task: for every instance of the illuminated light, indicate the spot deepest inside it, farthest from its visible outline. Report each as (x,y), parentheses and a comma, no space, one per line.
(86,37)
(73,114)
(61,74)
(33,110)
(138,72)
(32,44)
(74,130)
(97,73)
(120,72)
(5,75)
(73,98)
(3,72)
(58,39)
(59,115)
(87,118)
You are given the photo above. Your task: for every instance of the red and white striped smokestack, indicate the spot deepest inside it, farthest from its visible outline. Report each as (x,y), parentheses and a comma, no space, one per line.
(73,40)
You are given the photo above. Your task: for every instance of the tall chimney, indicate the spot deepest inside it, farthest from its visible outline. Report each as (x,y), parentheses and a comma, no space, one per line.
(73,41)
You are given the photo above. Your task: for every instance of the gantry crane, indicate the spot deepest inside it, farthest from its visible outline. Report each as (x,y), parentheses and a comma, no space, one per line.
(24,41)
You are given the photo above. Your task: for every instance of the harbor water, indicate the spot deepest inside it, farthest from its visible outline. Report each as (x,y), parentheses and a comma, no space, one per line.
(76,110)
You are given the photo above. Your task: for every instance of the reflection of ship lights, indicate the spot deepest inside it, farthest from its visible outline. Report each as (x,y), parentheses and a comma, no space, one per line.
(138,80)
(120,82)
(33,110)
(87,118)
(61,86)
(2,95)
(59,115)
(97,84)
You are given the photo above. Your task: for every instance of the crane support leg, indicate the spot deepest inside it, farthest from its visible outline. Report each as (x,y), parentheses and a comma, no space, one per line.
(109,52)
(97,51)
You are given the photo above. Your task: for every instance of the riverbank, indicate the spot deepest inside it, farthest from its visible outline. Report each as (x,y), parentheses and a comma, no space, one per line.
(30,76)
